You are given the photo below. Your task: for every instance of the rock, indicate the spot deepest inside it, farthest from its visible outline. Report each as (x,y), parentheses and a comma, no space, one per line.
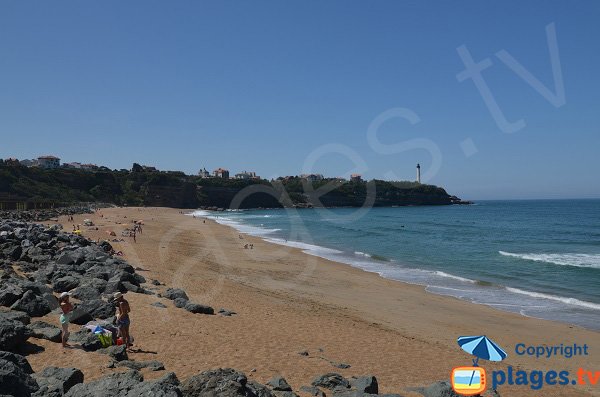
(113,286)
(279,383)
(340,365)
(66,258)
(43,330)
(54,381)
(117,353)
(255,389)
(139,279)
(331,381)
(158,304)
(224,312)
(174,293)
(197,308)
(16,315)
(438,389)
(216,383)
(15,379)
(277,393)
(180,302)
(32,304)
(98,308)
(87,340)
(65,284)
(128,384)
(18,360)
(131,287)
(105,245)
(80,316)
(12,334)
(155,282)
(313,391)
(303,353)
(86,292)
(10,294)
(138,365)
(365,384)
(113,385)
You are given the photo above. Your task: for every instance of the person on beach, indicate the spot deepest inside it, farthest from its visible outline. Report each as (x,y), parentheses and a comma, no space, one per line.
(123,321)
(65,317)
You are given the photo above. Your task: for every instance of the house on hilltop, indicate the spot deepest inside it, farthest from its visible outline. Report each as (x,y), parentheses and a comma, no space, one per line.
(221,173)
(48,162)
(246,175)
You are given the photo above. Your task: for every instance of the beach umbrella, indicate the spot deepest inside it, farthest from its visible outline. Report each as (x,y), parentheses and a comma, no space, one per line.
(481,347)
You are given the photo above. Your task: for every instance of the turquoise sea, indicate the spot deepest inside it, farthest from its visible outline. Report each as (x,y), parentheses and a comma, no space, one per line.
(539,258)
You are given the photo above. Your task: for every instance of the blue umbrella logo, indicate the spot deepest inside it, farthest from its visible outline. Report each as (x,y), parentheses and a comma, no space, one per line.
(481,347)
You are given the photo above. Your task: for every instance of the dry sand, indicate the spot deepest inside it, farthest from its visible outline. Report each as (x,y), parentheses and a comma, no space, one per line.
(287,302)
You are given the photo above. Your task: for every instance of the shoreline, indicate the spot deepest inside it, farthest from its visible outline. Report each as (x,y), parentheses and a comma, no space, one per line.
(287,302)
(337,254)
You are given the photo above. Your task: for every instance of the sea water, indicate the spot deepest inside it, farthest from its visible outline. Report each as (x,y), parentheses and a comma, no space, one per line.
(539,258)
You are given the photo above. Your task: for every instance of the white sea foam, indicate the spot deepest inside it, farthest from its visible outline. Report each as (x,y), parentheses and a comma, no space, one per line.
(527,303)
(578,260)
(443,274)
(567,301)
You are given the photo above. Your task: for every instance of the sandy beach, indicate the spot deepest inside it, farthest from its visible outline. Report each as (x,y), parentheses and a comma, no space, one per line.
(289,302)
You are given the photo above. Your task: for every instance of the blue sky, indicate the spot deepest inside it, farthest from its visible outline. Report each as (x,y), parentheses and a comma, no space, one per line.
(265,85)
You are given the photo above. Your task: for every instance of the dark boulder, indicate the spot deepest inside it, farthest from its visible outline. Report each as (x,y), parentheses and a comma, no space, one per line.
(365,384)
(438,389)
(138,365)
(255,389)
(18,360)
(16,316)
(197,308)
(331,381)
(87,340)
(158,304)
(180,302)
(80,316)
(117,353)
(175,293)
(216,383)
(279,383)
(32,304)
(15,380)
(9,294)
(43,330)
(86,292)
(65,284)
(131,287)
(54,381)
(313,391)
(12,334)
(129,384)
(98,308)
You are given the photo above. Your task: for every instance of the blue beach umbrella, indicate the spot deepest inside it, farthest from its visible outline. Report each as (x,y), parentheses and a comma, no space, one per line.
(481,347)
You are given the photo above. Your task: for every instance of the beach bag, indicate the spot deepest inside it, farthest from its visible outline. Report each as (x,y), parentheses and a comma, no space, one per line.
(105,338)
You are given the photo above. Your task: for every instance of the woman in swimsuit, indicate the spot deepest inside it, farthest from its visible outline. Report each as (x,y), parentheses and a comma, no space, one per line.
(123,321)
(65,317)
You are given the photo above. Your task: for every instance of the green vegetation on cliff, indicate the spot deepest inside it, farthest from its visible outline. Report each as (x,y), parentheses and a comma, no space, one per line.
(175,189)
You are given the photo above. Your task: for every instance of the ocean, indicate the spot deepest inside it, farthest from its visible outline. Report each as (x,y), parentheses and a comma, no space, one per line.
(539,258)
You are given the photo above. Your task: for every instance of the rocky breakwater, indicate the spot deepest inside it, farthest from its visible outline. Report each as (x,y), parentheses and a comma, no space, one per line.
(46,214)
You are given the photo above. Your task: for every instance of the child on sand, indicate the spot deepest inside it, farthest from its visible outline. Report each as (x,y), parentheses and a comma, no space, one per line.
(65,317)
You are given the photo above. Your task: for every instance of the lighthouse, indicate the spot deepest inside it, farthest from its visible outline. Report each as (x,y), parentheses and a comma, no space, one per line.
(418,173)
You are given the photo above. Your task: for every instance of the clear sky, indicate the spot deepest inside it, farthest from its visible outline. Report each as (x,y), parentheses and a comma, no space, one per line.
(281,86)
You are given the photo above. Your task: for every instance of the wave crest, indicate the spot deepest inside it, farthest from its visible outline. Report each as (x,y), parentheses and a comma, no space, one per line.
(577,260)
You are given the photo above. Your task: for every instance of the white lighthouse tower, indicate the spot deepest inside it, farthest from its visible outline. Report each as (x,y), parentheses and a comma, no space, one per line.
(418,173)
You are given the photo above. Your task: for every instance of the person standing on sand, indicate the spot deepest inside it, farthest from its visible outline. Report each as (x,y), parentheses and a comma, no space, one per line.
(123,321)
(65,317)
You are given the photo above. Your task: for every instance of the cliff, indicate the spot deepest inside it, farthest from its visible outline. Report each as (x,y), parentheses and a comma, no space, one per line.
(35,187)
